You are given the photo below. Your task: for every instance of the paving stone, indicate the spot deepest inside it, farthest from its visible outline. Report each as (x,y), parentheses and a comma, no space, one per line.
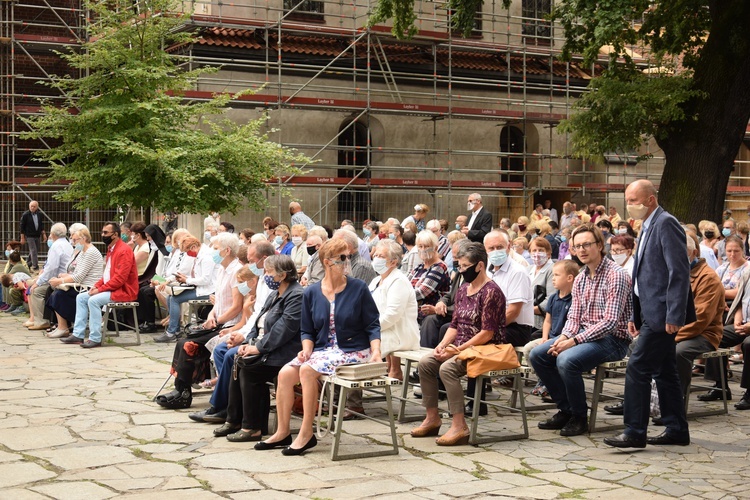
(499,460)
(80,490)
(17,473)
(573,481)
(516,479)
(9,457)
(471,488)
(84,457)
(19,494)
(547,491)
(363,489)
(153,469)
(31,438)
(147,432)
(431,478)
(250,461)
(264,495)
(181,483)
(227,480)
(130,484)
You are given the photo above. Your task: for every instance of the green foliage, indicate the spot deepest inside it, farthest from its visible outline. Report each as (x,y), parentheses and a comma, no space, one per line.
(621,111)
(128,137)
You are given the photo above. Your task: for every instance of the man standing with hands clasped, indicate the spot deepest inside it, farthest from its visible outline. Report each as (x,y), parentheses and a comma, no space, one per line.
(661,305)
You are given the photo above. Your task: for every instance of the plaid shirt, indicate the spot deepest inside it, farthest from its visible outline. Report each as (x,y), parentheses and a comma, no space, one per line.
(602,304)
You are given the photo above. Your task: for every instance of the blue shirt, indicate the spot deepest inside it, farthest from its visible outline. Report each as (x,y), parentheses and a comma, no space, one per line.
(557,308)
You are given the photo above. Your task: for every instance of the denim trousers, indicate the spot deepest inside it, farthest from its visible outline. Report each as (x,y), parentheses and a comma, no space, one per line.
(89,308)
(563,374)
(224,362)
(174,303)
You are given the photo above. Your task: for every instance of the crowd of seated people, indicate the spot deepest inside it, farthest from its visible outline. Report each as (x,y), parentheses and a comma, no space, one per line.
(295,300)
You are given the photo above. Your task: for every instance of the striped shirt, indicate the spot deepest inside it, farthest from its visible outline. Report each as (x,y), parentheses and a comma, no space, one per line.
(602,304)
(87,267)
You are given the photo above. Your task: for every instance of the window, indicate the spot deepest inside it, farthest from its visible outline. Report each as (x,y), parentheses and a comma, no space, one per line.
(536,30)
(304,10)
(476,29)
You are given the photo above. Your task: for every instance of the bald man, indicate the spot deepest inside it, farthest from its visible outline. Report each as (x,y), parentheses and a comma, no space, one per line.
(299,217)
(32,232)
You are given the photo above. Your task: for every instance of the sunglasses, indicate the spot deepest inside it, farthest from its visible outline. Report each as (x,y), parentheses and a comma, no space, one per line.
(342,258)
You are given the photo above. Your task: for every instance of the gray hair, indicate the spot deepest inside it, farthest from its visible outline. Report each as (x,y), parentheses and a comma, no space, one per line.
(76,226)
(427,238)
(433,224)
(393,250)
(477,196)
(473,252)
(282,264)
(461,246)
(349,237)
(501,234)
(227,240)
(318,231)
(58,230)
(263,249)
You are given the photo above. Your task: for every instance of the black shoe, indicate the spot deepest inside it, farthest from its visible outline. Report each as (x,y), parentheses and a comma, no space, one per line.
(226,430)
(556,422)
(214,416)
(615,409)
(657,421)
(171,395)
(290,452)
(414,377)
(625,441)
(666,439)
(469,408)
(575,426)
(88,344)
(165,337)
(147,327)
(265,445)
(744,403)
(715,395)
(71,339)
(199,416)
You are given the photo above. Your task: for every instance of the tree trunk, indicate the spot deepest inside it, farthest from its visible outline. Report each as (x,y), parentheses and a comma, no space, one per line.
(701,150)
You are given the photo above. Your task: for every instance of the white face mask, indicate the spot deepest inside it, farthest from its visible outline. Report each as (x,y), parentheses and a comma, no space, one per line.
(620,258)
(470,206)
(379,265)
(539,258)
(426,254)
(296,240)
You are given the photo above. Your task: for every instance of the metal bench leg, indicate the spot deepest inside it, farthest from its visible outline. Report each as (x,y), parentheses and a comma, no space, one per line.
(595,396)
(343,391)
(404,392)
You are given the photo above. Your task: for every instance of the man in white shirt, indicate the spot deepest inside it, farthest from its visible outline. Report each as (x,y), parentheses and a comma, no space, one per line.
(59,256)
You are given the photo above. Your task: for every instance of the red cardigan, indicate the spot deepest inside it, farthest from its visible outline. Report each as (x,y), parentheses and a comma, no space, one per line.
(123,281)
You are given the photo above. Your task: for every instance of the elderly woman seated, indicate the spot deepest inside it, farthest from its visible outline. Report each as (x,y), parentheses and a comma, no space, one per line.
(430,279)
(190,362)
(299,252)
(478,318)
(86,268)
(339,324)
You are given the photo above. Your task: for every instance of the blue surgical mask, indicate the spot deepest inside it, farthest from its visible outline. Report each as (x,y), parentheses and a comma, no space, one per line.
(7,254)
(726,232)
(367,232)
(49,243)
(216,256)
(270,283)
(255,269)
(207,236)
(79,247)
(498,257)
(379,265)
(563,238)
(458,227)
(243,288)
(392,236)
(278,240)
(169,248)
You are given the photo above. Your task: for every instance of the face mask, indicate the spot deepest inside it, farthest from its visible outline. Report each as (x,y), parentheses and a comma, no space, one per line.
(469,206)
(455,265)
(7,254)
(125,237)
(311,251)
(563,238)
(539,258)
(605,233)
(622,230)
(270,283)
(296,241)
(392,236)
(169,248)
(278,240)
(522,227)
(426,254)
(79,247)
(726,232)
(620,258)
(49,243)
(379,265)
(470,274)
(498,257)
(637,211)
(106,240)
(243,288)
(458,227)
(192,253)
(567,210)
(207,236)
(367,232)
(216,256)
(255,270)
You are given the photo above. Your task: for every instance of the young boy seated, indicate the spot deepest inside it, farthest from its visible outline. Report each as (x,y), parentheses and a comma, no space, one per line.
(18,294)
(564,272)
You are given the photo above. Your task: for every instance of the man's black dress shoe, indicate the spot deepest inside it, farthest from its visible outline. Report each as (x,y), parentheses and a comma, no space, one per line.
(666,439)
(147,327)
(714,395)
(575,427)
(625,441)
(615,409)
(557,421)
(744,403)
(290,452)
(71,339)
(469,408)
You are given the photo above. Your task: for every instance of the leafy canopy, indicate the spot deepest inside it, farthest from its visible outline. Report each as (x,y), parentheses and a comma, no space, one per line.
(126,134)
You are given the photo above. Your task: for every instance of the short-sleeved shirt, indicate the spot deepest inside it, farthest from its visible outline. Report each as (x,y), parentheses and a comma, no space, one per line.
(730,278)
(515,283)
(485,310)
(557,308)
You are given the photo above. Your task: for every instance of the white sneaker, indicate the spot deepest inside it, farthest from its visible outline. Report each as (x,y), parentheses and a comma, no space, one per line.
(417,392)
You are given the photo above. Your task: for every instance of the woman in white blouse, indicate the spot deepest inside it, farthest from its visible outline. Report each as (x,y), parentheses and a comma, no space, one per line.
(396,303)
(299,253)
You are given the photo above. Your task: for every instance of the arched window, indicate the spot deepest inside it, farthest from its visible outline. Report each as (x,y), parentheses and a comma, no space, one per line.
(354,150)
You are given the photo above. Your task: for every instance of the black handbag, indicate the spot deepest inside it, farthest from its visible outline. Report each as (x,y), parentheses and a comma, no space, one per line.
(540,293)
(194,331)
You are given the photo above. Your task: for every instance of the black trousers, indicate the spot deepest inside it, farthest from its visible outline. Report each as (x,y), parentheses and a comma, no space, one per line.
(146,304)
(249,397)
(432,330)
(713,365)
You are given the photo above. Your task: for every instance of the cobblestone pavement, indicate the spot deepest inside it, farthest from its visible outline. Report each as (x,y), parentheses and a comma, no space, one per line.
(77,423)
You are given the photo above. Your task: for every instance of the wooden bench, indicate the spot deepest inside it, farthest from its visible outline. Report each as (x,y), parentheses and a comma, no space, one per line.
(113,307)
(344,387)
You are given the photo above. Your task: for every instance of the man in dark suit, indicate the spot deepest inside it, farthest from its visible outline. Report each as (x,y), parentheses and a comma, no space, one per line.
(32,232)
(480,220)
(661,305)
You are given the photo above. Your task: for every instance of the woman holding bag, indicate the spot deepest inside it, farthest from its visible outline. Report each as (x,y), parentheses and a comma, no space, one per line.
(478,318)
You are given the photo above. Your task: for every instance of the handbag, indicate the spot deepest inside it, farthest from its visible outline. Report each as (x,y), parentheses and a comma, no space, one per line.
(78,287)
(194,331)
(489,357)
(178,289)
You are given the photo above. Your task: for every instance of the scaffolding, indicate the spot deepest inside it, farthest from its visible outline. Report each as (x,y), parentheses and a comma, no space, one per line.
(388,123)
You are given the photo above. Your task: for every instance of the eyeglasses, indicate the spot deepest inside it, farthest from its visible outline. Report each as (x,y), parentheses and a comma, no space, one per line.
(584,246)
(104,233)
(618,252)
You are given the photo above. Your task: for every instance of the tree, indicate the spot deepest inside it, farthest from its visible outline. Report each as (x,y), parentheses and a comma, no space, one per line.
(126,134)
(696,106)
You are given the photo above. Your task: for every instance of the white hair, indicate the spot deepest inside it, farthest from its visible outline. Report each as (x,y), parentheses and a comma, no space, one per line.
(58,230)
(76,226)
(433,224)
(227,240)
(258,237)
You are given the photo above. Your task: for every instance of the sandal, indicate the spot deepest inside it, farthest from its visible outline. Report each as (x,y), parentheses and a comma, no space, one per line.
(209,383)
(502,382)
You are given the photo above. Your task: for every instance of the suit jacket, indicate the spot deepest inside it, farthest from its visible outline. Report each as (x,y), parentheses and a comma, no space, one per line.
(663,275)
(482,225)
(27,224)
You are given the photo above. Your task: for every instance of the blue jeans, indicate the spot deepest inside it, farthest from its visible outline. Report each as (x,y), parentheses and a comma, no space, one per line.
(563,375)
(653,357)
(174,303)
(89,308)
(224,361)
